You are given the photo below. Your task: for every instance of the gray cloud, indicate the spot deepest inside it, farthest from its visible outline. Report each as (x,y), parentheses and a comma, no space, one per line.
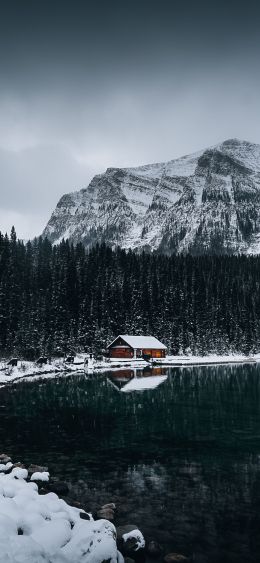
(85,87)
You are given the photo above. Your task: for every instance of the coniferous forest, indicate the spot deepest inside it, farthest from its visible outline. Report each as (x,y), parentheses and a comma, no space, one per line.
(61,299)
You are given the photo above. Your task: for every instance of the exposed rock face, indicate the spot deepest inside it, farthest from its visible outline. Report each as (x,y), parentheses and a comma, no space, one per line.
(203,203)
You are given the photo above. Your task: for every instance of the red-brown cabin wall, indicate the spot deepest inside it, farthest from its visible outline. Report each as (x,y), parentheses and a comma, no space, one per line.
(121,353)
(129,353)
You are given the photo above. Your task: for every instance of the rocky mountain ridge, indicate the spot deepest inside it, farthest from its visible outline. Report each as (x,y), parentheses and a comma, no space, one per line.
(207,202)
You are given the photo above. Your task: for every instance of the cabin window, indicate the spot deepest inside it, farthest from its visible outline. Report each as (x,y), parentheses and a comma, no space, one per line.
(157,353)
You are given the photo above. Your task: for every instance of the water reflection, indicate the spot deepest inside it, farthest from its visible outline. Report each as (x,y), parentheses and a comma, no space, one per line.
(138,379)
(181,460)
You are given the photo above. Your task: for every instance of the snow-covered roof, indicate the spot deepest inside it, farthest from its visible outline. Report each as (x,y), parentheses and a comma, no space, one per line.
(149,342)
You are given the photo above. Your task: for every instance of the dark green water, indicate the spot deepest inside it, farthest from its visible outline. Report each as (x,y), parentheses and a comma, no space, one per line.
(181,461)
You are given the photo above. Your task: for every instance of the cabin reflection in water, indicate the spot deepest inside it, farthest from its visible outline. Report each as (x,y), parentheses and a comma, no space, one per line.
(121,377)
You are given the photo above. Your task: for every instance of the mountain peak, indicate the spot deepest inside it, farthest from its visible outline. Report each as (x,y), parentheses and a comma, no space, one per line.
(235,142)
(200,203)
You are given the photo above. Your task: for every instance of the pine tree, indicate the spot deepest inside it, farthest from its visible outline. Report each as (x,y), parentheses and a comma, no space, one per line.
(55,300)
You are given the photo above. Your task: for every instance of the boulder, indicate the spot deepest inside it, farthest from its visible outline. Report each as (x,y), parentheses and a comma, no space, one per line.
(154,549)
(19,464)
(6,467)
(58,487)
(121,530)
(130,540)
(110,505)
(43,491)
(4,458)
(40,477)
(74,503)
(36,469)
(176,558)
(106,513)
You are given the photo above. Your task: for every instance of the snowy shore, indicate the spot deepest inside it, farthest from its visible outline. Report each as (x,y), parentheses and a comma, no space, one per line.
(42,528)
(26,369)
(36,526)
(56,368)
(211,359)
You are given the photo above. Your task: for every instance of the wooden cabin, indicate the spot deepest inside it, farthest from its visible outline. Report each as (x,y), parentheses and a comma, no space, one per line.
(126,347)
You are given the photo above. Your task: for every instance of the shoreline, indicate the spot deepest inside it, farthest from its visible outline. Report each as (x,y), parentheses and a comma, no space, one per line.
(27,370)
(47,527)
(54,523)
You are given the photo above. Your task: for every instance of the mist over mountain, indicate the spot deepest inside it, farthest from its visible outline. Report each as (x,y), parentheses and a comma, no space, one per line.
(207,202)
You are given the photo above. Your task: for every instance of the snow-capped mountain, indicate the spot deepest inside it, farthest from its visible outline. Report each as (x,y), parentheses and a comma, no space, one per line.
(203,203)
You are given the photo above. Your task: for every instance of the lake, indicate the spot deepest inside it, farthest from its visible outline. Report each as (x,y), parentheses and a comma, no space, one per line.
(180,459)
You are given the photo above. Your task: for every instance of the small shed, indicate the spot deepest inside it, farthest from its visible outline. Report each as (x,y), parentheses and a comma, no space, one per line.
(127,347)
(12,362)
(42,360)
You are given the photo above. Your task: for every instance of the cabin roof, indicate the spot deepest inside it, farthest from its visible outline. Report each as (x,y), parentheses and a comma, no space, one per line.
(141,342)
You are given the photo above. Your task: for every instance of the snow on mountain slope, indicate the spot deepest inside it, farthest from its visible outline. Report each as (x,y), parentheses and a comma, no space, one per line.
(201,203)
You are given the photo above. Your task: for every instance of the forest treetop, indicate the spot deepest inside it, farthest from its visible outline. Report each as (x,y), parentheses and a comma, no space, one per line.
(60,299)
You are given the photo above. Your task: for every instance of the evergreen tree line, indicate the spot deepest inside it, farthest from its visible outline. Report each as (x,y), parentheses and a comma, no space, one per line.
(61,299)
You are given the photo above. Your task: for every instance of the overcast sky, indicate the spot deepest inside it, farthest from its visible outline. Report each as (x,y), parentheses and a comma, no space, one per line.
(89,84)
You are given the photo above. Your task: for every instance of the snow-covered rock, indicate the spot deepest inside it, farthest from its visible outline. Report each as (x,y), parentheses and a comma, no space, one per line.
(44,529)
(40,476)
(138,538)
(6,466)
(205,202)
(130,540)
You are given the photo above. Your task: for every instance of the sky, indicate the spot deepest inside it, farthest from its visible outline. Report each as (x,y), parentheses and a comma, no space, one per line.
(86,85)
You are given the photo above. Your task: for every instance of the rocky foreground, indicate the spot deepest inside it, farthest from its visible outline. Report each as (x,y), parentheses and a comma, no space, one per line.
(36,526)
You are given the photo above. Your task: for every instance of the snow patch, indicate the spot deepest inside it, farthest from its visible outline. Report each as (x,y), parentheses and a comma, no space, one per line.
(40,476)
(45,529)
